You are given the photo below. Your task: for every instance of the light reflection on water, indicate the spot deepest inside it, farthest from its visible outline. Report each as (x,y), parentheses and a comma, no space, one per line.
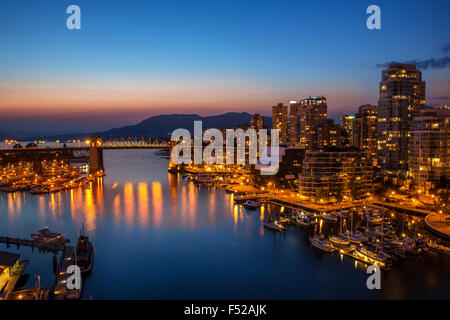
(158,236)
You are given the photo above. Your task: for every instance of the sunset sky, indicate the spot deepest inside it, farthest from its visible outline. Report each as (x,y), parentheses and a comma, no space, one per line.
(134,59)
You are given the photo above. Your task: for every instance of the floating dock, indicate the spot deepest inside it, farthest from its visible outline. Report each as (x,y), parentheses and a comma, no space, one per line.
(61,278)
(40,245)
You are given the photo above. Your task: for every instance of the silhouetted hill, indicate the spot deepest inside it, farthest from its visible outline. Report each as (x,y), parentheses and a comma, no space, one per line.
(164,125)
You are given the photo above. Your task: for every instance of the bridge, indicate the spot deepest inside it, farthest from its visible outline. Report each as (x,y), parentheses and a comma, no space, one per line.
(92,152)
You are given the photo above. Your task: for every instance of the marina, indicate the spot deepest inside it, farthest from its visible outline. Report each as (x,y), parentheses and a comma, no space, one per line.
(165,219)
(47,241)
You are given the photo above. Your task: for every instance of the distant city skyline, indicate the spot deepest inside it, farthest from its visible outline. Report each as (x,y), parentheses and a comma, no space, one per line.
(136,59)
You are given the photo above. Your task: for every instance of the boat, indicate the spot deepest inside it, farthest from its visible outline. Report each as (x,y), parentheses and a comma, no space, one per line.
(39,190)
(372,256)
(272,226)
(249,204)
(280,225)
(354,237)
(306,221)
(337,240)
(322,244)
(48,236)
(439,248)
(84,253)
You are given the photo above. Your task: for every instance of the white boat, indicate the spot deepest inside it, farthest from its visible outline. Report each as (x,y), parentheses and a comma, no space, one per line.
(337,240)
(249,204)
(322,244)
(372,257)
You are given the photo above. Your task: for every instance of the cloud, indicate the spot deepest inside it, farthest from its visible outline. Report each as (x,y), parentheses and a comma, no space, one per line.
(432,63)
(446,48)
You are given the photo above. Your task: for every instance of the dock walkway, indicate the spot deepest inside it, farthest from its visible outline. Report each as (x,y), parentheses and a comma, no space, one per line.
(41,245)
(61,278)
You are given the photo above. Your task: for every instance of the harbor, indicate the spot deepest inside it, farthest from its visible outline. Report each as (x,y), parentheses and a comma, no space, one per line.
(175,232)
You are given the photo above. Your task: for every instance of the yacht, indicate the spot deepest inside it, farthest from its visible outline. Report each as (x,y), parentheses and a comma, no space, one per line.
(372,256)
(48,236)
(322,244)
(272,226)
(249,204)
(337,240)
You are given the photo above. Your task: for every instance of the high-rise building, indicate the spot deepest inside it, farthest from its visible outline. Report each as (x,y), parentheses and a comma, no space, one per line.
(365,130)
(430,147)
(312,115)
(402,96)
(280,121)
(257,122)
(294,123)
(347,123)
(330,134)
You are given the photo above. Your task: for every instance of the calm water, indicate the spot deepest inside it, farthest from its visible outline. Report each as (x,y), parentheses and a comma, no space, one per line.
(159,237)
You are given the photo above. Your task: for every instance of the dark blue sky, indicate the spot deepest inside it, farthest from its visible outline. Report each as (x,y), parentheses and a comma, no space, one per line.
(133,59)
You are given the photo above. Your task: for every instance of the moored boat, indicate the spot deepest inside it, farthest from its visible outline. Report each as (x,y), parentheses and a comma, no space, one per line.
(48,236)
(354,237)
(272,226)
(249,204)
(84,254)
(337,240)
(322,244)
(372,257)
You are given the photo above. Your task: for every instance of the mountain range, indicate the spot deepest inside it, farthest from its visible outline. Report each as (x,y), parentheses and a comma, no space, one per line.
(161,126)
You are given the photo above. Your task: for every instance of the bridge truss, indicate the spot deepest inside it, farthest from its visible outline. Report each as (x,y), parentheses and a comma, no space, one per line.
(136,143)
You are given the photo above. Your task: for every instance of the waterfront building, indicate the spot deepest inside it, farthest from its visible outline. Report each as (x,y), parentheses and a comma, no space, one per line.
(312,115)
(429,148)
(401,97)
(280,121)
(365,130)
(257,122)
(335,174)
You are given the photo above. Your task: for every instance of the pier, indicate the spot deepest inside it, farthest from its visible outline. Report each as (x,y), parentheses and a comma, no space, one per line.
(40,245)
(61,278)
